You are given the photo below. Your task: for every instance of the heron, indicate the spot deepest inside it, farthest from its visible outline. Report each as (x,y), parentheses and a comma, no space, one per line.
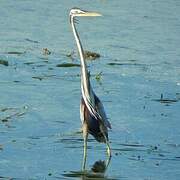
(92,113)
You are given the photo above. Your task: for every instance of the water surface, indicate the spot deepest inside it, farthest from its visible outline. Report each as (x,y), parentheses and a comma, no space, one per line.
(139,85)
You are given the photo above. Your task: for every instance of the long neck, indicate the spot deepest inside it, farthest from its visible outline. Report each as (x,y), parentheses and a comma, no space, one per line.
(85,83)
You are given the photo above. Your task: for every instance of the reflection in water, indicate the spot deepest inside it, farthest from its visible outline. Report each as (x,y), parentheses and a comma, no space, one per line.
(99,167)
(97,171)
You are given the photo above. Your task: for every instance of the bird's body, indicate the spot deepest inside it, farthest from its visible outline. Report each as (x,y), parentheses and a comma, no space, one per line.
(92,114)
(93,124)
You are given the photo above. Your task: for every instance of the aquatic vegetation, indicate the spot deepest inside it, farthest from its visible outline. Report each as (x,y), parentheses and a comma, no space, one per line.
(16,52)
(30,40)
(39,142)
(10,113)
(88,55)
(38,77)
(4,62)
(29,63)
(41,77)
(68,65)
(124,64)
(46,51)
(37,62)
(98,76)
(91,55)
(71,55)
(165,100)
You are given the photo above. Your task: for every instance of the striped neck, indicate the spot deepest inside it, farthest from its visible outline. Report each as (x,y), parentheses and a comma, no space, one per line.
(85,83)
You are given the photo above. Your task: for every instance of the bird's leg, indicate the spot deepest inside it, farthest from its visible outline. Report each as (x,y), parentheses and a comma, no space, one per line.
(107,144)
(108,160)
(85,136)
(108,148)
(108,152)
(106,141)
(85,154)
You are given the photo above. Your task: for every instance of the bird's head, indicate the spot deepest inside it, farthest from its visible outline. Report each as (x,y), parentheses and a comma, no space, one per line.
(76,12)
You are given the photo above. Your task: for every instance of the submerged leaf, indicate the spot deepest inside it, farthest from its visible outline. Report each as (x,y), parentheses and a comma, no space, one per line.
(11,113)
(68,65)
(30,40)
(165,100)
(16,52)
(124,64)
(4,62)
(29,63)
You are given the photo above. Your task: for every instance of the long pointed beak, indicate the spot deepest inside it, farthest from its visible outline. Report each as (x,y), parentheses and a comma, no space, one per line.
(89,13)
